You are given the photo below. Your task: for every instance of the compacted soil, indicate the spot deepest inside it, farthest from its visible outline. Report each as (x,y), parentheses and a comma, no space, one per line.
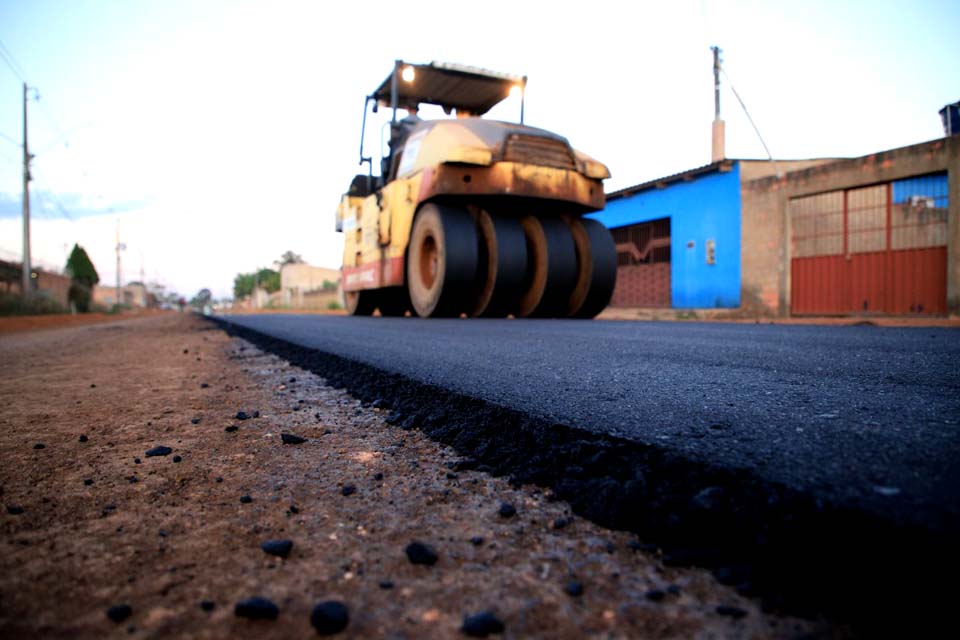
(100,539)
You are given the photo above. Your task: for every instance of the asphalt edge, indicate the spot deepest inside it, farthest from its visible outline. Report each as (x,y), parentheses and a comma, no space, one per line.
(796,554)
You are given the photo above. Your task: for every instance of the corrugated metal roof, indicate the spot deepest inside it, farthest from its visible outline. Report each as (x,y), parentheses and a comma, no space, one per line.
(451,86)
(659,183)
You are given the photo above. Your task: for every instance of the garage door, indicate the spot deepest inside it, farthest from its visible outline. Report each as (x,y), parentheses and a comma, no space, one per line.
(643,265)
(876,249)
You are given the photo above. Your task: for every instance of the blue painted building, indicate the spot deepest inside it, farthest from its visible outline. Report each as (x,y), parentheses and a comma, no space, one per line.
(702,210)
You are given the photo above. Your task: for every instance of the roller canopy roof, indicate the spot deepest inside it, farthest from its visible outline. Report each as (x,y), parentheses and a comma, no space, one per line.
(451,86)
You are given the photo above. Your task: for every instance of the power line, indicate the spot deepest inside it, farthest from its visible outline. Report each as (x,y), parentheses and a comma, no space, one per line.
(752,124)
(12,63)
(6,137)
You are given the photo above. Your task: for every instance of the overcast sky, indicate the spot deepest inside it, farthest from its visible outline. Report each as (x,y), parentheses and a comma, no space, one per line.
(221,133)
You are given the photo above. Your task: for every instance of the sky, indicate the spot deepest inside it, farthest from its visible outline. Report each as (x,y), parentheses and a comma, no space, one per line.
(218,134)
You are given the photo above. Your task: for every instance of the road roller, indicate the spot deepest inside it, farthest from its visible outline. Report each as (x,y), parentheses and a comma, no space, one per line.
(466,216)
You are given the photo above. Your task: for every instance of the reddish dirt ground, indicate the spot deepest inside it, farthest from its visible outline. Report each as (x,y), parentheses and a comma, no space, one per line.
(85,526)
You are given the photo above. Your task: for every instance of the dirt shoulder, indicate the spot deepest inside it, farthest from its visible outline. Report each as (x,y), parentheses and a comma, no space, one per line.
(91,524)
(18,324)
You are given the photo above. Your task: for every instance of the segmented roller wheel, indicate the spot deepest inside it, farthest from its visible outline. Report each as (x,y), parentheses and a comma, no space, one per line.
(502,265)
(442,261)
(360,303)
(393,301)
(551,268)
(596,268)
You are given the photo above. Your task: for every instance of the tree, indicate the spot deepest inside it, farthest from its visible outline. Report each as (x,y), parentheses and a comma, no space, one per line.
(202,299)
(289,257)
(244,283)
(83,277)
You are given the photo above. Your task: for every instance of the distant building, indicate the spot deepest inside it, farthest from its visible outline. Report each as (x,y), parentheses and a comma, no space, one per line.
(304,286)
(134,295)
(873,235)
(54,286)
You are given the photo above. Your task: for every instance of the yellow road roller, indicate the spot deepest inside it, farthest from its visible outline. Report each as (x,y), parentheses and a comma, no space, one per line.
(470,216)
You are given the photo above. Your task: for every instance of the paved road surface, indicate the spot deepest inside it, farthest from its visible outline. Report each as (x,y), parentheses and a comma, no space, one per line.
(861,416)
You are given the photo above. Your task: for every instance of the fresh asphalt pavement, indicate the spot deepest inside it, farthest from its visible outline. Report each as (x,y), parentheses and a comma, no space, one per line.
(859,416)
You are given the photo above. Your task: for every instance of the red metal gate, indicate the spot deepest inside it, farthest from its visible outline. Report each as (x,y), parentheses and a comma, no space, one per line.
(643,265)
(877,249)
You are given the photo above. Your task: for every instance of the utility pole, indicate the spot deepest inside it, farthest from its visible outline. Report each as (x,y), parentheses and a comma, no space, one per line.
(27,284)
(718,151)
(120,247)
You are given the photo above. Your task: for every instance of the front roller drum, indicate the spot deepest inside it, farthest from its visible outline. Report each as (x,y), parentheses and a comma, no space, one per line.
(596,268)
(502,267)
(442,261)
(551,268)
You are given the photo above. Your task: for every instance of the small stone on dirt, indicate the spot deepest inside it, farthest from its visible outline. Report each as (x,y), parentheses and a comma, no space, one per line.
(419,553)
(330,617)
(280,548)
(119,612)
(204,385)
(348,490)
(83,438)
(289,438)
(14,510)
(159,451)
(194,420)
(294,509)
(507,510)
(207,605)
(231,428)
(243,415)
(177,459)
(39,445)
(88,481)
(386,584)
(256,609)
(378,476)
(136,461)
(246,499)
(573,588)
(482,624)
(476,541)
(562,523)
(733,612)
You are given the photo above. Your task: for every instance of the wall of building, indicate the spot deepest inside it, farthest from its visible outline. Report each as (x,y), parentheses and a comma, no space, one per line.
(705,207)
(766,225)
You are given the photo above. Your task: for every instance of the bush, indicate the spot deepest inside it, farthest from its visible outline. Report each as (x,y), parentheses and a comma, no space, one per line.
(12,304)
(333,305)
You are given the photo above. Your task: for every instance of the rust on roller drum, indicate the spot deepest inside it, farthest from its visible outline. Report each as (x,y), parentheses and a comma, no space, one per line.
(581,242)
(537,263)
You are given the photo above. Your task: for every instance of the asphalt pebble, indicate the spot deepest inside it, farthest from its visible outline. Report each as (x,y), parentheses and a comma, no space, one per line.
(386,584)
(289,438)
(419,553)
(330,617)
(208,605)
(482,624)
(177,459)
(243,415)
(348,490)
(136,461)
(231,428)
(562,523)
(88,481)
(573,588)
(83,438)
(733,612)
(246,499)
(280,548)
(294,509)
(119,612)
(256,609)
(378,476)
(39,445)
(204,385)
(159,451)
(476,541)
(14,510)
(194,420)
(655,595)
(507,510)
